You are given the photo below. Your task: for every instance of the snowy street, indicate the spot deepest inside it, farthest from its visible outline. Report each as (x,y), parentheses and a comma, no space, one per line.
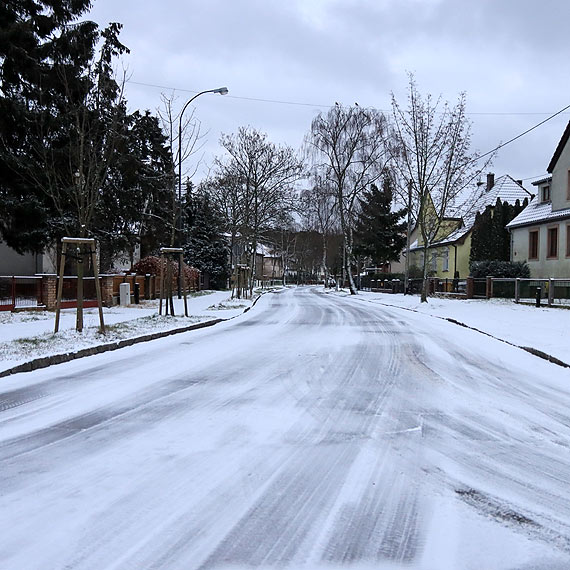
(314,431)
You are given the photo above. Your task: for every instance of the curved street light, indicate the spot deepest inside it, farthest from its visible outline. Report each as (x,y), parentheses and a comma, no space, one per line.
(219,91)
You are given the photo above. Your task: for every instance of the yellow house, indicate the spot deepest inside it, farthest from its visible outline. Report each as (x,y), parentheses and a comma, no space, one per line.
(449,254)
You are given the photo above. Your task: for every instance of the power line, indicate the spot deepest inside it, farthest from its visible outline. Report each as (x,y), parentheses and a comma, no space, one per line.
(235,96)
(313,105)
(319,105)
(521,134)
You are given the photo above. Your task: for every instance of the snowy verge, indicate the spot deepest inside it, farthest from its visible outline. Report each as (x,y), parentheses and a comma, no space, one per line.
(27,340)
(541,331)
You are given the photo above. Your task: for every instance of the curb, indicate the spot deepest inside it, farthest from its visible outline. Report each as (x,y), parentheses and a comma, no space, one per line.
(530,350)
(46,361)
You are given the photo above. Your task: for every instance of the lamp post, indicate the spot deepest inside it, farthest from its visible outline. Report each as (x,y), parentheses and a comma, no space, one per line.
(220,91)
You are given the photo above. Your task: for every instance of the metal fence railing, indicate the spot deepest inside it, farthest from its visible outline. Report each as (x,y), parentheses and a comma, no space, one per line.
(20,291)
(548,291)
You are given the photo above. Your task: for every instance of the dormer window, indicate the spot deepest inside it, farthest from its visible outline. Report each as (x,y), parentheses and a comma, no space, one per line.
(545,196)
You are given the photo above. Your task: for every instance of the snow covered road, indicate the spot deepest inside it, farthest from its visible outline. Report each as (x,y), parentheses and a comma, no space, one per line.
(315,431)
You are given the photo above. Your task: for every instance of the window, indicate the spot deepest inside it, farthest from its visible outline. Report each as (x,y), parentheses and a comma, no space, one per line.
(434,261)
(533,244)
(568,187)
(567,240)
(445,261)
(546,193)
(552,243)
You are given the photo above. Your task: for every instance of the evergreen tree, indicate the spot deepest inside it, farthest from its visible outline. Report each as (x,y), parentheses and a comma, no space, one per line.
(60,112)
(490,239)
(379,232)
(205,247)
(37,41)
(136,200)
(481,240)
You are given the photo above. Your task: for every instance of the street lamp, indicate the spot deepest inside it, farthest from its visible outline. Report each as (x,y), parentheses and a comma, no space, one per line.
(220,91)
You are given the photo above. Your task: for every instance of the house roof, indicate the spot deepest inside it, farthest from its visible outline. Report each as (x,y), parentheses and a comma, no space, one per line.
(538,212)
(506,188)
(559,148)
(542,180)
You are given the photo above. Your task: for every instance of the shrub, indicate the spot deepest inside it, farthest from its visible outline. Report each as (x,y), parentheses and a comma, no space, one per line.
(499,269)
(151,264)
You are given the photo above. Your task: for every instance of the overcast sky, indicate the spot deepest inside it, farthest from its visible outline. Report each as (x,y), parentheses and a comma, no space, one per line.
(283,61)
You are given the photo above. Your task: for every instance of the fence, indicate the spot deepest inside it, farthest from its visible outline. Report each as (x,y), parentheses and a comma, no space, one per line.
(553,291)
(20,292)
(40,290)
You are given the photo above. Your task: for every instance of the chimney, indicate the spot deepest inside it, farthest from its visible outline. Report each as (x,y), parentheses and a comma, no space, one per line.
(519,182)
(490,181)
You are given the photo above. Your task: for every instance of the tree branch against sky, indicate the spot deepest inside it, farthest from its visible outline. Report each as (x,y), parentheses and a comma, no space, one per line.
(350,147)
(436,162)
(264,176)
(319,213)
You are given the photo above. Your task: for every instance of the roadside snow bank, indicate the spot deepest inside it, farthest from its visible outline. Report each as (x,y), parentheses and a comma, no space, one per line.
(28,335)
(543,328)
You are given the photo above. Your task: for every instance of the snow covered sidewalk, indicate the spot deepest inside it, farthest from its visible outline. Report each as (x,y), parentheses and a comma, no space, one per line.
(545,329)
(25,336)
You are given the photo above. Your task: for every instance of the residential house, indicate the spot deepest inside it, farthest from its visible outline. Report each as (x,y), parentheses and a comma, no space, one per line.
(13,263)
(540,234)
(449,254)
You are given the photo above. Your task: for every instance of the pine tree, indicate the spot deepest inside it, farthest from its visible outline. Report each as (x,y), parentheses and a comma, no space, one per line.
(379,232)
(36,36)
(481,242)
(136,199)
(490,239)
(60,112)
(205,247)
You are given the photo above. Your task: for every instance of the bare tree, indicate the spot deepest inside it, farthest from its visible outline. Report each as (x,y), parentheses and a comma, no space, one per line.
(319,212)
(184,144)
(75,150)
(435,164)
(225,192)
(263,175)
(351,148)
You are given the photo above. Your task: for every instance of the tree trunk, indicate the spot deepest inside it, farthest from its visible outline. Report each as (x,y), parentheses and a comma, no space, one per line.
(325,260)
(425,277)
(348,263)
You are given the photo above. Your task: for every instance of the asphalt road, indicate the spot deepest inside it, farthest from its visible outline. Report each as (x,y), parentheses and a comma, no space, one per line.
(314,431)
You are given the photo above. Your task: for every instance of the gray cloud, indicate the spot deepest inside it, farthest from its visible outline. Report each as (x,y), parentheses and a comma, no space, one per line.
(510,56)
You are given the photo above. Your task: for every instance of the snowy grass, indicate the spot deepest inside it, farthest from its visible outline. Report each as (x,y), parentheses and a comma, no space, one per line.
(29,334)
(23,349)
(542,328)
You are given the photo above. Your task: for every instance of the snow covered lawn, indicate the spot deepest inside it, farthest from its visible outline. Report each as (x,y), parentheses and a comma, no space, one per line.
(28,335)
(541,328)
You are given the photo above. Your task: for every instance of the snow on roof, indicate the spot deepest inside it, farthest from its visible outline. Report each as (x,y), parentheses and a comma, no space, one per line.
(542,180)
(538,212)
(506,188)
(267,250)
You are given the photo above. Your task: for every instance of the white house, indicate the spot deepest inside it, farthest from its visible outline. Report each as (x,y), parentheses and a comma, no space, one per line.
(540,234)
